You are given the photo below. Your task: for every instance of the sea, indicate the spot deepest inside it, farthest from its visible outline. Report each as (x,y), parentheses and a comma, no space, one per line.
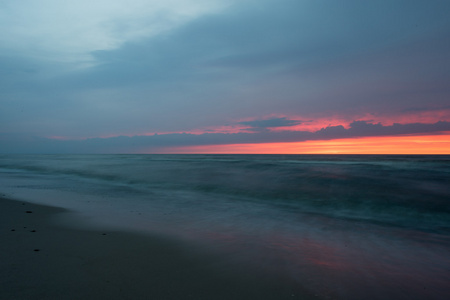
(342,226)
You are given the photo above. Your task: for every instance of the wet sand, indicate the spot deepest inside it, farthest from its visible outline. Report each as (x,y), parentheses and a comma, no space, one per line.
(40,259)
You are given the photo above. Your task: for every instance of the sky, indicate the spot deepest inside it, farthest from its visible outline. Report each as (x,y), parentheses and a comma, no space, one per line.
(216,76)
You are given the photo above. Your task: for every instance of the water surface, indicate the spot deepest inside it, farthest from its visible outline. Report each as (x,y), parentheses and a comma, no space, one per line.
(343,226)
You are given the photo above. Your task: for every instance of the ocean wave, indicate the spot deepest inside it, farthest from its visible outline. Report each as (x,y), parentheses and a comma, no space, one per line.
(394,190)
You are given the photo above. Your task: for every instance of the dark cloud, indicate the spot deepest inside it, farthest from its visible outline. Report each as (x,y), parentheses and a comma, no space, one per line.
(137,144)
(261,125)
(363,128)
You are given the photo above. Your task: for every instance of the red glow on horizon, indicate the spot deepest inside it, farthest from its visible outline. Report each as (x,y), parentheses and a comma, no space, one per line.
(410,144)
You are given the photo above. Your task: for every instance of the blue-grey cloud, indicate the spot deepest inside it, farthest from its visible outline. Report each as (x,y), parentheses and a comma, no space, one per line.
(307,59)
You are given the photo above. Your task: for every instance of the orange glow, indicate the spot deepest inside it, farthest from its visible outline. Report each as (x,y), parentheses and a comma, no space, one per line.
(409,144)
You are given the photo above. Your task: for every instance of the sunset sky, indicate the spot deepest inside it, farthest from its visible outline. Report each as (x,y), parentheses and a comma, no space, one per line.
(216,76)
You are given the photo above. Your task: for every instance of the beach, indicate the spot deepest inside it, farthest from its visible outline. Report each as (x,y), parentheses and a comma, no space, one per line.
(43,260)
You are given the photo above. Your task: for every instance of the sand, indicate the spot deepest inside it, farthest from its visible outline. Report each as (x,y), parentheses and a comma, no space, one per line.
(40,259)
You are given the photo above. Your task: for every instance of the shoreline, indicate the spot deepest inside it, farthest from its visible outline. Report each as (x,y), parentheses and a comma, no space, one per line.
(44,260)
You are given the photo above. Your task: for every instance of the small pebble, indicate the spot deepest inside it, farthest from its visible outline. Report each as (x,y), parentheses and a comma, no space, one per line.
(28,211)
(36,250)
(33,230)
(13,230)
